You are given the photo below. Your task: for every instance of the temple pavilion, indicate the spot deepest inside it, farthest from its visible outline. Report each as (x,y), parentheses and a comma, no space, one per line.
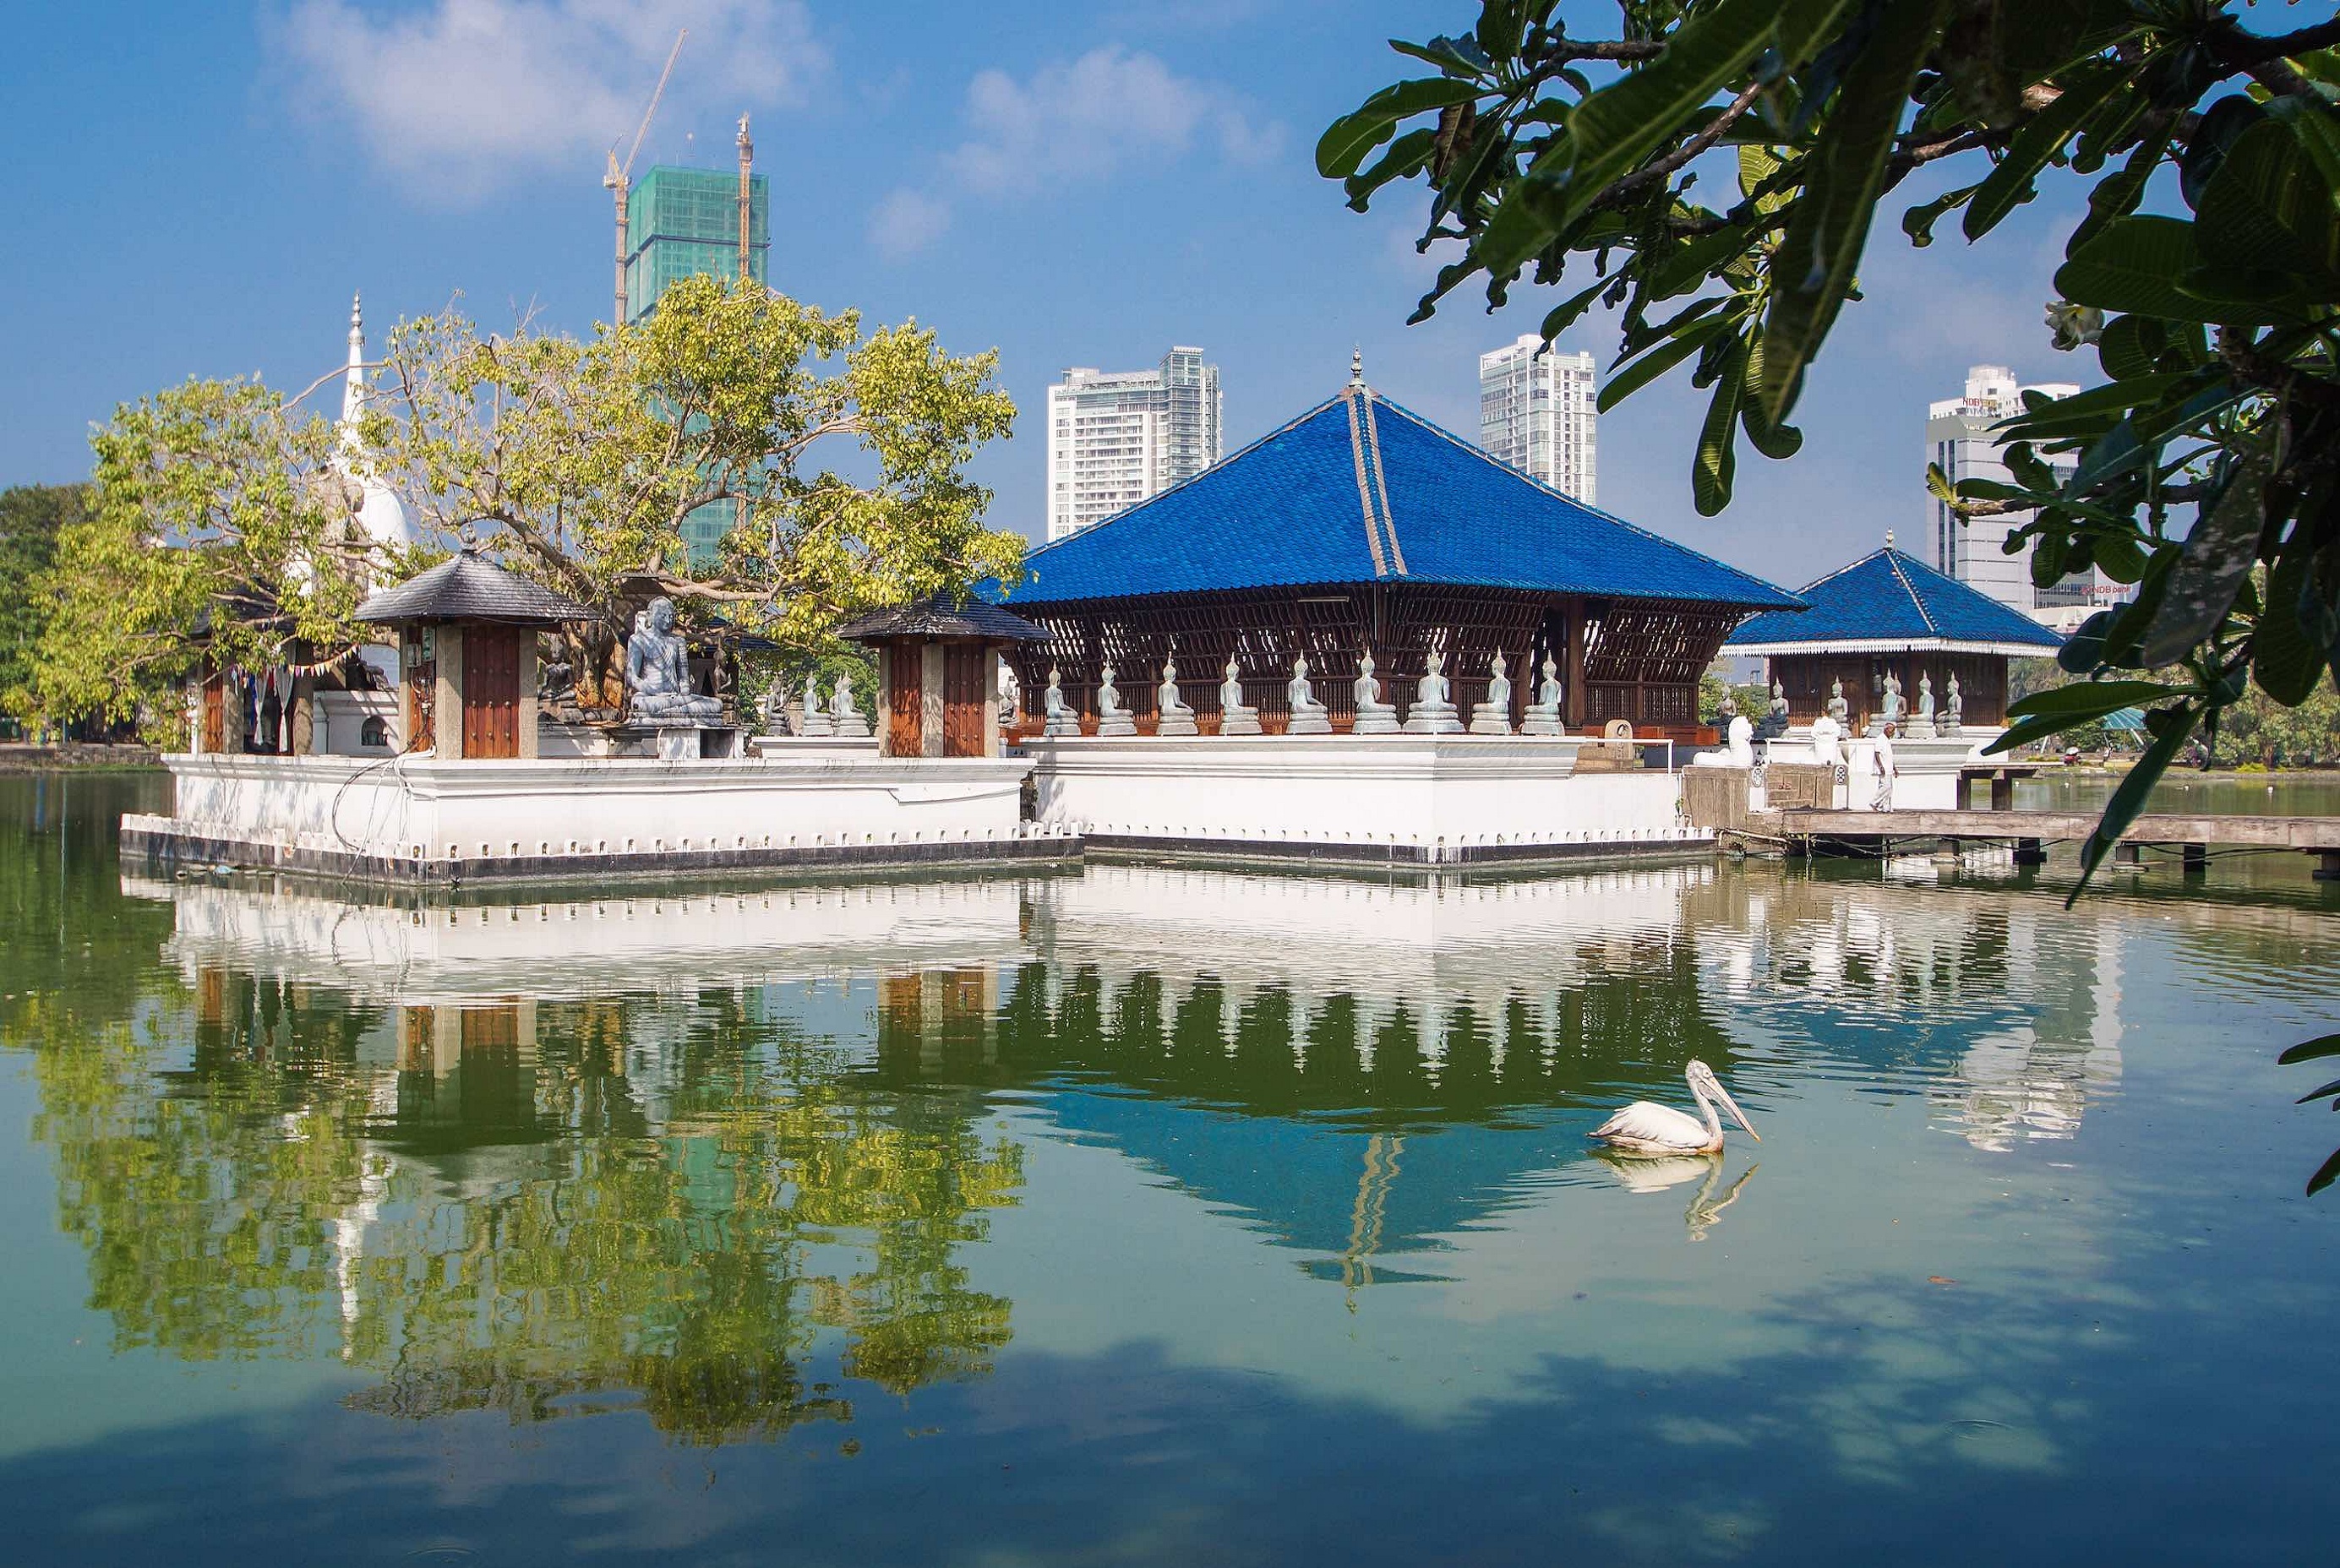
(1361,525)
(1890,613)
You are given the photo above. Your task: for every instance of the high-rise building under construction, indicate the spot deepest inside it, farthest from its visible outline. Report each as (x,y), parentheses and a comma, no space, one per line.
(684,223)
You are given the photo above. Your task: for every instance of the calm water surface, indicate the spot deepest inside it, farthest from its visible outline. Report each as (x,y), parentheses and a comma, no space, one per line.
(1138,1215)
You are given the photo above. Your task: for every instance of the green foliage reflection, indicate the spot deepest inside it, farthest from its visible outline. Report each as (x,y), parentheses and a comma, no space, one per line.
(482,1208)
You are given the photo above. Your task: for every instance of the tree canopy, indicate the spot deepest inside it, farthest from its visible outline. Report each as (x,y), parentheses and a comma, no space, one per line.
(2206,295)
(227,508)
(31,517)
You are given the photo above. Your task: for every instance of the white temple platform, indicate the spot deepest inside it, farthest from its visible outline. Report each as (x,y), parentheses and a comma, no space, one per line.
(1418,800)
(1926,772)
(415,819)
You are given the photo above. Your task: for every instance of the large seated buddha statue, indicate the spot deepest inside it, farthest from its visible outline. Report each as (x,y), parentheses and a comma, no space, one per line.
(658,673)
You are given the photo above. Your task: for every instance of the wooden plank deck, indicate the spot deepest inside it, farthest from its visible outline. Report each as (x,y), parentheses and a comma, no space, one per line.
(2318,836)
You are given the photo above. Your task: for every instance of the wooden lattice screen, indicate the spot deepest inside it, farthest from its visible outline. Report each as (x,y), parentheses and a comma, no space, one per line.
(1643,657)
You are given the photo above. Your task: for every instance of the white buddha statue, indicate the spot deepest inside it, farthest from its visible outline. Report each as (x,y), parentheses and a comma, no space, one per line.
(1374,716)
(1434,710)
(1176,717)
(851,722)
(1236,716)
(814,723)
(1543,718)
(1309,716)
(1113,719)
(1494,715)
(1058,719)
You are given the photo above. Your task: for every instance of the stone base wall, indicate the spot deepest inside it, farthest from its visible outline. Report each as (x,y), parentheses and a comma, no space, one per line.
(1419,800)
(407,819)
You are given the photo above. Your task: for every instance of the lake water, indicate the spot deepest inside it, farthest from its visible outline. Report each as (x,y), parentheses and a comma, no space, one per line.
(1143,1215)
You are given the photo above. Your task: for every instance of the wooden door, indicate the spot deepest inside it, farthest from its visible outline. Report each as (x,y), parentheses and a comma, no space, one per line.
(905,701)
(966,669)
(215,719)
(491,692)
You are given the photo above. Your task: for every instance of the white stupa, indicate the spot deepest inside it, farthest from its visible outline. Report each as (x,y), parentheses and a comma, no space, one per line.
(382,513)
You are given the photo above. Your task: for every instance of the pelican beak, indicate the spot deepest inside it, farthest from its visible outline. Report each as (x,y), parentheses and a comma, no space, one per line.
(1736,1114)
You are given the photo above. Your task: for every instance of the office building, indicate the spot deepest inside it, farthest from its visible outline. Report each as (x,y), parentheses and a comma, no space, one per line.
(1116,437)
(1536,408)
(1958,437)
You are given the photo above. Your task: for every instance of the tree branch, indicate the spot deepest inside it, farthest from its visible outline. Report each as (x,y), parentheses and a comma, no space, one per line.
(1560,51)
(1642,178)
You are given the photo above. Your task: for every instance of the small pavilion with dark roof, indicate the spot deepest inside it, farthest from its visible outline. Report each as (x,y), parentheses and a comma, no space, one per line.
(1362,526)
(1890,613)
(939,674)
(467,646)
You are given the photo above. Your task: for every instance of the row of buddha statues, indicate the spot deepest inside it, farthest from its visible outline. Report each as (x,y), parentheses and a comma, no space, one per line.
(1433,713)
(1893,709)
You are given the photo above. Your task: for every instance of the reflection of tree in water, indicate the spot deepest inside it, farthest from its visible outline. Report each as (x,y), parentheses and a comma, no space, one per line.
(504,1217)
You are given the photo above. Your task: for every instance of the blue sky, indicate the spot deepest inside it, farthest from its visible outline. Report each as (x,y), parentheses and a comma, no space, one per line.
(198,188)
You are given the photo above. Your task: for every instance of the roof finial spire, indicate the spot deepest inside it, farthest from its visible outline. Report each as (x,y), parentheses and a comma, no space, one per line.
(1888,539)
(353,389)
(1357,366)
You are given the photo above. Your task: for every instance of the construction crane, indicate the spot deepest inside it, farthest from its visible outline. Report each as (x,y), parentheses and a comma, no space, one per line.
(618,174)
(747,166)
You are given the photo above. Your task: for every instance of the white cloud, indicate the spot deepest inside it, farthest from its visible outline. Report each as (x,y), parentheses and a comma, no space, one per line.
(1087,119)
(462,95)
(907,221)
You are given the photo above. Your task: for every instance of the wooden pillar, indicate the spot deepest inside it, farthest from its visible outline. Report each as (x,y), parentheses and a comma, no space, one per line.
(2002,791)
(300,721)
(2197,860)
(930,706)
(525,719)
(447,703)
(2031,852)
(993,746)
(1575,694)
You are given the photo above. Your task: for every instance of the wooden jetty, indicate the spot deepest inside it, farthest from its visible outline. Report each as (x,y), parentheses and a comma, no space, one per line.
(2032,832)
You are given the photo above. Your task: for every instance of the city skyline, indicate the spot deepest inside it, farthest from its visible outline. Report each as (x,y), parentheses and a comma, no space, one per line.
(946,171)
(1118,437)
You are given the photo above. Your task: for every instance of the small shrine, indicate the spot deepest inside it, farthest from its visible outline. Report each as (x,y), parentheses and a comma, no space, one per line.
(1889,638)
(467,632)
(938,674)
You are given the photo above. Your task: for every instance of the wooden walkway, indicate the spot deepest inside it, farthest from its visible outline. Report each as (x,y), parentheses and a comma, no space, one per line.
(2032,832)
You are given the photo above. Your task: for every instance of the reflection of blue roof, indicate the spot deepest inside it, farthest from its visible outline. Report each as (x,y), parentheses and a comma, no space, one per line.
(1300,1177)
(1360,491)
(1892,599)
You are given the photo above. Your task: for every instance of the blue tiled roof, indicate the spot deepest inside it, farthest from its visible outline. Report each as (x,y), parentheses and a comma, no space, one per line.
(1893,596)
(1359,490)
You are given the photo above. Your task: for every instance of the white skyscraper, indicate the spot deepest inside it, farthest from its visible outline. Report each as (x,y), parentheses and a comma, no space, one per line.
(1115,437)
(1958,437)
(1535,413)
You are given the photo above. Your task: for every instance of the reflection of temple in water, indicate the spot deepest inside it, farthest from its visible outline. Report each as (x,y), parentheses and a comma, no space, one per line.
(719,1155)
(2010,1006)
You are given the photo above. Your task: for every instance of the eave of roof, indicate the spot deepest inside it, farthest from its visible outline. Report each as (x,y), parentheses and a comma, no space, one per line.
(1889,601)
(469,587)
(941,617)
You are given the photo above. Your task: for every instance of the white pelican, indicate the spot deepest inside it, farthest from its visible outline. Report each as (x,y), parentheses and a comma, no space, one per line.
(1643,1127)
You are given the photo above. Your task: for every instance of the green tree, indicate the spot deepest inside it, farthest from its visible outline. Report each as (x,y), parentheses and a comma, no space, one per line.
(31,517)
(228,506)
(2214,320)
